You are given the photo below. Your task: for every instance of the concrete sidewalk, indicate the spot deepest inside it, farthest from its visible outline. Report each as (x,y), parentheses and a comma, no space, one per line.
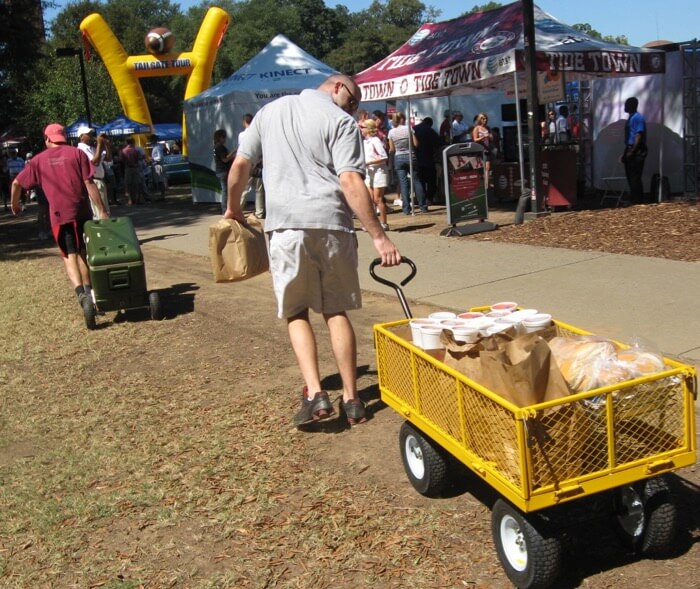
(624,297)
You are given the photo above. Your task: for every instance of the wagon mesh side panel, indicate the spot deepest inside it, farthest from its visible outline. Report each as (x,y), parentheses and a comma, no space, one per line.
(589,437)
(648,419)
(395,373)
(491,432)
(558,439)
(438,397)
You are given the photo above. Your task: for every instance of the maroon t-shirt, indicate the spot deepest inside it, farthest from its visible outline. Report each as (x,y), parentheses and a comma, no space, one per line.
(130,156)
(61,172)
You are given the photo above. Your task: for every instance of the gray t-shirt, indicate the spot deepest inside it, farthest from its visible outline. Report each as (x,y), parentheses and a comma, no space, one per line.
(399,135)
(306,142)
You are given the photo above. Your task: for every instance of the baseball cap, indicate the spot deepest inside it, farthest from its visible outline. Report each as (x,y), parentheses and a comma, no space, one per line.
(55,133)
(84,130)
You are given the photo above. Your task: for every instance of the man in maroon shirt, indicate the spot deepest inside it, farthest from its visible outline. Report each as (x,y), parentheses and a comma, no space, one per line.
(65,175)
(133,180)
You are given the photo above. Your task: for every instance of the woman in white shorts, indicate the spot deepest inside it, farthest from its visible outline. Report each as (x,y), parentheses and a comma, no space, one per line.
(377,175)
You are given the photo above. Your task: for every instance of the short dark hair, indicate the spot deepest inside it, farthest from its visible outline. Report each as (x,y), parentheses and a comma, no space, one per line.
(247,118)
(219,134)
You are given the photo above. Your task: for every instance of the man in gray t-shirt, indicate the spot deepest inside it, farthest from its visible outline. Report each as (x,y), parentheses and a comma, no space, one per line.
(314,182)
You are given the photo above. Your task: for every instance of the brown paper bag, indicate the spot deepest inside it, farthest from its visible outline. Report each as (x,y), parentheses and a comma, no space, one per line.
(464,357)
(523,371)
(490,427)
(558,439)
(461,356)
(238,251)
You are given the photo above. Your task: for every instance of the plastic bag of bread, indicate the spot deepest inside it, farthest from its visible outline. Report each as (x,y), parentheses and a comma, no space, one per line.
(590,362)
(638,361)
(587,362)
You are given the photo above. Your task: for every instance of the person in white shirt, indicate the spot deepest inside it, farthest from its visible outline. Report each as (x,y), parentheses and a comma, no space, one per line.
(562,125)
(97,151)
(376,161)
(460,131)
(160,180)
(255,182)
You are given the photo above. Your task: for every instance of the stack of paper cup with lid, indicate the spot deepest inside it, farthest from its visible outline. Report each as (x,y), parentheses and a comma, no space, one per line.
(425,332)
(536,322)
(416,329)
(507,316)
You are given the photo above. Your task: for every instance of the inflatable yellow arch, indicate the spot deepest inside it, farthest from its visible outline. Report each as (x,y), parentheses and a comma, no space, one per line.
(126,70)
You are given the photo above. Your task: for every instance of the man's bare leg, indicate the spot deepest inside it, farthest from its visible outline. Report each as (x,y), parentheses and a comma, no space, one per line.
(74,264)
(303,342)
(345,351)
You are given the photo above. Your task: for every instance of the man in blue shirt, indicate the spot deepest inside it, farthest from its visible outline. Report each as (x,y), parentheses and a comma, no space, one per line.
(635,150)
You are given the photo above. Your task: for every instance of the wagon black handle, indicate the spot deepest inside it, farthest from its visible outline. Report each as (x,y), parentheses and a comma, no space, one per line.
(402,299)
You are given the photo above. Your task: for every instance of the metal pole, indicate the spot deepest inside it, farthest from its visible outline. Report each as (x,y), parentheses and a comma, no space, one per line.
(519,122)
(72,52)
(412,191)
(85,90)
(662,127)
(537,191)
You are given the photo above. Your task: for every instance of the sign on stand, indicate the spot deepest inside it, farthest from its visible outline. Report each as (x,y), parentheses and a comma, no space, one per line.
(465,190)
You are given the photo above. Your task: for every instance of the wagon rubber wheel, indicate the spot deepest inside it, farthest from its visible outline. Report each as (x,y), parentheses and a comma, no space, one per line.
(645,517)
(154,305)
(530,559)
(425,462)
(90,313)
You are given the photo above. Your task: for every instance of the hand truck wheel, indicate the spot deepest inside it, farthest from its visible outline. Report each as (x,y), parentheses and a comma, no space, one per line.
(644,516)
(530,559)
(154,305)
(425,462)
(90,313)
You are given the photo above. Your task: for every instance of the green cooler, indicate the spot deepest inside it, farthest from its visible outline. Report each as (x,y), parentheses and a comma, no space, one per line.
(116,265)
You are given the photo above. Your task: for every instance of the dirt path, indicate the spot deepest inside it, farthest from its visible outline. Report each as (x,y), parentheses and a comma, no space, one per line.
(456,528)
(161,454)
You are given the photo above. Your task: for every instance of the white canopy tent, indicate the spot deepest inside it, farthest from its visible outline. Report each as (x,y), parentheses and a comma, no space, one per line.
(486,51)
(280,69)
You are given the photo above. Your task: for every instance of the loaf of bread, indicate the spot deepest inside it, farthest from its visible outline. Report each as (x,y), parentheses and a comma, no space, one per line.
(590,362)
(638,362)
(587,362)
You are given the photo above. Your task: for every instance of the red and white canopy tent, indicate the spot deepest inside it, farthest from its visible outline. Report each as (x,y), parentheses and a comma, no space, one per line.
(486,51)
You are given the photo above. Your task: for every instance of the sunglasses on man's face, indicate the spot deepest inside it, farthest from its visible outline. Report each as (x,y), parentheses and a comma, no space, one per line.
(353,103)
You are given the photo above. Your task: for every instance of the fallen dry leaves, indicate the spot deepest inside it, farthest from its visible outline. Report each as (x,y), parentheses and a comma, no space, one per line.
(667,230)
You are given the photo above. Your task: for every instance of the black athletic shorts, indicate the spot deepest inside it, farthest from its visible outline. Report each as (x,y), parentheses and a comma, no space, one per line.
(69,237)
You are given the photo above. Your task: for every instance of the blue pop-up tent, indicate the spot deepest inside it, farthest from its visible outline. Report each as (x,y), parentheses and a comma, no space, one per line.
(72,129)
(168,131)
(123,125)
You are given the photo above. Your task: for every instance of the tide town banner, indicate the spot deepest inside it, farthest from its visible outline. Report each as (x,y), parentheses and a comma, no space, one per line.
(477,51)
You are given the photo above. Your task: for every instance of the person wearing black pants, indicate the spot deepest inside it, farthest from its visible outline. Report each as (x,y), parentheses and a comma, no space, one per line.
(635,150)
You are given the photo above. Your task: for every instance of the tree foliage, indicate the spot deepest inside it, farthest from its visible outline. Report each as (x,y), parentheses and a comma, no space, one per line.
(591,32)
(485,7)
(21,37)
(35,86)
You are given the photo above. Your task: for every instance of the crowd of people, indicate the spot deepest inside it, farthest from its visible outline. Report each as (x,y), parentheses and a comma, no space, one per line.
(124,172)
(415,169)
(316,180)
